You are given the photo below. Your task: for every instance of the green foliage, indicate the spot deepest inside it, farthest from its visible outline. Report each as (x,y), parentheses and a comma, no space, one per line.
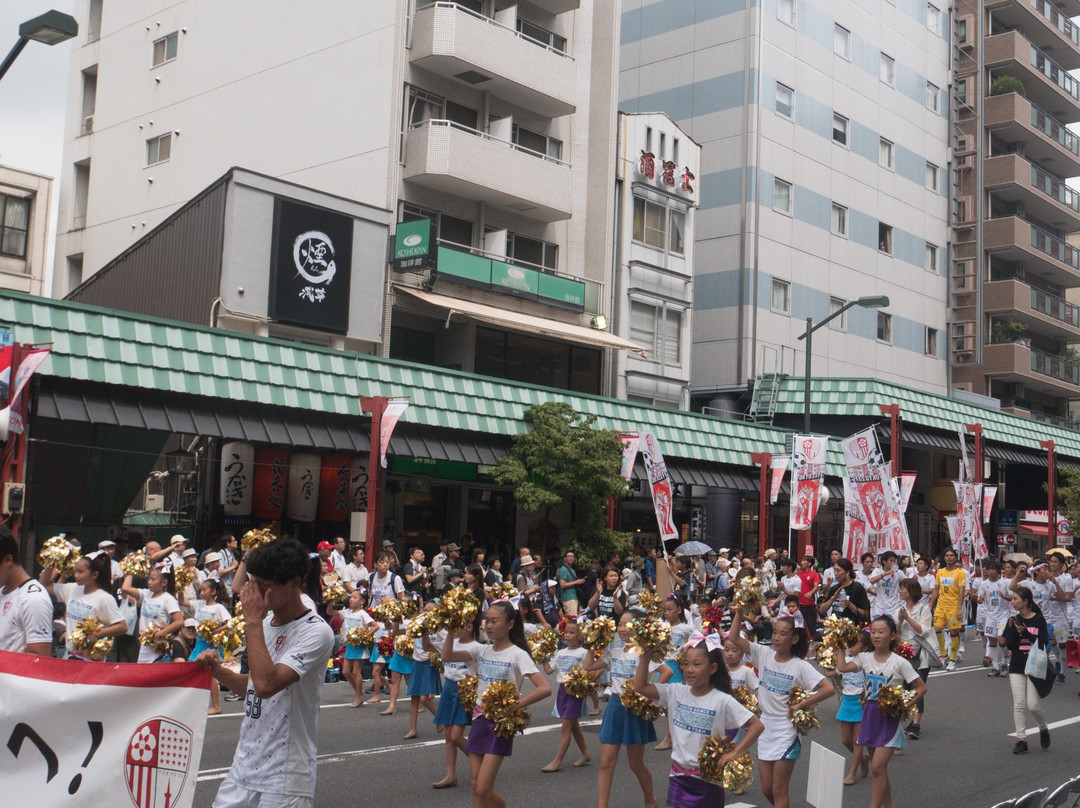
(563,457)
(1007,84)
(1067,494)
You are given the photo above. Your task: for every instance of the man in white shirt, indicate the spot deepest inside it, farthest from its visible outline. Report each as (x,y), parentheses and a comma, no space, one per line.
(887,581)
(355,572)
(26,610)
(1056,610)
(337,556)
(288,646)
(863,576)
(828,575)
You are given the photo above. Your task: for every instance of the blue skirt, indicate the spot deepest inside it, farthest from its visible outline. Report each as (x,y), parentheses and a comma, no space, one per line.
(357,652)
(424,681)
(622,727)
(449,712)
(851,710)
(566,706)
(677,679)
(200,646)
(400,664)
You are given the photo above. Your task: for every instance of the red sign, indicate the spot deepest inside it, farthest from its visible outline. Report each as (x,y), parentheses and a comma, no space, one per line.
(271,471)
(334,479)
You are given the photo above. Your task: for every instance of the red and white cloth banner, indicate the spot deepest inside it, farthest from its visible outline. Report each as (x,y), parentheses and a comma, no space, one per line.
(777,468)
(807,476)
(660,486)
(965,464)
(89,733)
(868,478)
(855,539)
(989,495)
(395,408)
(30,362)
(630,443)
(907,485)
(969,540)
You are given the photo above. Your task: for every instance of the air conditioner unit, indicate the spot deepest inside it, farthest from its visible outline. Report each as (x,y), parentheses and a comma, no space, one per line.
(88,124)
(962,144)
(155,502)
(13,497)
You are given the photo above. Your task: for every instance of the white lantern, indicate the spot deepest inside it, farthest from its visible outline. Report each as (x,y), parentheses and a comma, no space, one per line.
(237,477)
(303,494)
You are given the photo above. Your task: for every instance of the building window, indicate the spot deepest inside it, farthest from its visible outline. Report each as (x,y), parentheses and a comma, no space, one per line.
(885,154)
(839,129)
(546,38)
(447,228)
(785,100)
(649,223)
(785,11)
(165,49)
(678,232)
(884,237)
(781,199)
(658,329)
(422,106)
(961,90)
(961,31)
(837,323)
(933,18)
(839,220)
(932,175)
(931,257)
(534,360)
(537,143)
(14,225)
(887,71)
(159,149)
(931,342)
(841,42)
(781,296)
(526,250)
(884,327)
(933,97)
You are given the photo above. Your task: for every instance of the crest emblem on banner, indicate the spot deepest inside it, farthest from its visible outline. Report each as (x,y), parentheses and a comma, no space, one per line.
(157,763)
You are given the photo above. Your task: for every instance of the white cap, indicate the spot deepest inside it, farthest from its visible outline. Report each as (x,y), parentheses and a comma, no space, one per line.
(189,552)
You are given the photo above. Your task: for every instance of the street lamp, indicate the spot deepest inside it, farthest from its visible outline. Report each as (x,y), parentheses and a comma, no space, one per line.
(52,28)
(873,302)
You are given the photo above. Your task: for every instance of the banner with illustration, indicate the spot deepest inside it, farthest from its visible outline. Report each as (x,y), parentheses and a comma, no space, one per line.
(807,477)
(660,486)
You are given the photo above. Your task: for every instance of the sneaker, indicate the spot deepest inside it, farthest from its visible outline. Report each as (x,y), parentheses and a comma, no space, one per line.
(1061,679)
(951,666)
(1020,748)
(986,662)
(914,731)
(994,672)
(1044,738)
(233,697)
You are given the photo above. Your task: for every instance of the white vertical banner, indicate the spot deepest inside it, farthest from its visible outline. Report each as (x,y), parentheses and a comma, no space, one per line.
(395,408)
(92,733)
(807,476)
(855,543)
(237,477)
(631,441)
(659,486)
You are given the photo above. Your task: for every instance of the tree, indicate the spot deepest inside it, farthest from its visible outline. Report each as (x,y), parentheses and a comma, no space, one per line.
(1067,499)
(564,458)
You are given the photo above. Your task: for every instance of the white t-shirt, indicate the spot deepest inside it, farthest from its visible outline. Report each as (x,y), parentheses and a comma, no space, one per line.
(864,579)
(852,683)
(1055,609)
(926,583)
(692,719)
(276,750)
(204,611)
(680,633)
(828,578)
(456,671)
(154,611)
(355,575)
(888,593)
(565,659)
(82,604)
(791,585)
(892,671)
(26,616)
(511,664)
(745,676)
(420,654)
(995,595)
(355,619)
(381,587)
(777,679)
(1040,593)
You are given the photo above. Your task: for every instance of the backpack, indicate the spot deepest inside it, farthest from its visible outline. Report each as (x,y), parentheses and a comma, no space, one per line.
(393,577)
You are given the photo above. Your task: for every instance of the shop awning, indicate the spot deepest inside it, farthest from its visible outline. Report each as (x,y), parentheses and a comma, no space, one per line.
(527,323)
(1034,528)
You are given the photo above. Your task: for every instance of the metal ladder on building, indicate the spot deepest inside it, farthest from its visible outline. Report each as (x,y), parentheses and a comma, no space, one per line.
(766,393)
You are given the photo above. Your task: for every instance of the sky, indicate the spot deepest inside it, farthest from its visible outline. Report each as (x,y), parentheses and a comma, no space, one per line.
(32,99)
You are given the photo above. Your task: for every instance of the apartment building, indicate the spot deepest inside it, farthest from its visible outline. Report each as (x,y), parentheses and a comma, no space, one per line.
(25,202)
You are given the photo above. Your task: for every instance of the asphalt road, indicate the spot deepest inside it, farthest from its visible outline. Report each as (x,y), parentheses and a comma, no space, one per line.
(964,757)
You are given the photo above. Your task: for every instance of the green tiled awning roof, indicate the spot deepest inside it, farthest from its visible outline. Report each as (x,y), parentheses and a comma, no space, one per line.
(105,346)
(861,397)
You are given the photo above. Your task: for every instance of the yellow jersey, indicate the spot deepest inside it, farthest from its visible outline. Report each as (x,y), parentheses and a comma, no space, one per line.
(950,583)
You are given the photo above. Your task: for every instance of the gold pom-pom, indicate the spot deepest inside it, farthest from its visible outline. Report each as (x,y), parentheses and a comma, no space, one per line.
(495,705)
(804,719)
(403,646)
(135,564)
(825,656)
(652,635)
(709,757)
(360,637)
(747,698)
(410,608)
(253,538)
(543,645)
(206,630)
(387,610)
(334,592)
(651,602)
(79,639)
(840,632)
(456,609)
(500,591)
(231,634)
(435,658)
(597,634)
(747,593)
(893,703)
(420,626)
(578,682)
(739,774)
(637,704)
(184,576)
(57,554)
(148,638)
(466,689)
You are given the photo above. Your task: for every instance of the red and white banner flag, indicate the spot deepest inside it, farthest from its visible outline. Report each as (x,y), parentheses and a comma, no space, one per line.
(30,362)
(777,467)
(660,486)
(907,485)
(807,476)
(395,408)
(989,495)
(90,733)
(630,443)
(855,542)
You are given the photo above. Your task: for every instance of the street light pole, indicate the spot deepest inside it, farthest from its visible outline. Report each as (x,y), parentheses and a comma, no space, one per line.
(51,28)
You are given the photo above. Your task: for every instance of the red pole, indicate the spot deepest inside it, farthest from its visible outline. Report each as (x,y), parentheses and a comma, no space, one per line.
(893,411)
(763,459)
(1051,494)
(976,430)
(612,512)
(376,405)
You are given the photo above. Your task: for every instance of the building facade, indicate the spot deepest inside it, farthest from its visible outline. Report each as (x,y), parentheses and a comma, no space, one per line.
(25,202)
(825,151)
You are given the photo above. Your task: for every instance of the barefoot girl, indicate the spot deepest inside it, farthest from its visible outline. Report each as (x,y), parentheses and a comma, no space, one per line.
(851,712)
(208,607)
(568,708)
(355,616)
(424,682)
(450,714)
(158,608)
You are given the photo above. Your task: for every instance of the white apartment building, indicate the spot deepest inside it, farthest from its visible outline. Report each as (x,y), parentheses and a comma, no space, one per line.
(25,202)
(495,120)
(824,127)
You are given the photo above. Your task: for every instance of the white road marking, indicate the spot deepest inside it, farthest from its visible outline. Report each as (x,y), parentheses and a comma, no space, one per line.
(1035,730)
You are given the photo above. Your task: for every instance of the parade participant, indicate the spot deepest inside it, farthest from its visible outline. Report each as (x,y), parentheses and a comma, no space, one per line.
(700,707)
(608,600)
(916,620)
(209,607)
(850,714)
(887,580)
(621,728)
(505,660)
(811,583)
(863,576)
(379,661)
(947,601)
(926,580)
(26,610)
(383,583)
(847,597)
(1056,609)
(741,673)
(355,616)
(880,734)
(450,714)
(157,608)
(88,596)
(356,573)
(569,581)
(287,648)
(400,667)
(674,613)
(1022,633)
(781,668)
(424,681)
(568,708)
(992,597)
(789,583)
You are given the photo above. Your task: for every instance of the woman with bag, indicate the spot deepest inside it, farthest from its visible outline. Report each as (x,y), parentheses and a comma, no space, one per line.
(916,628)
(1026,637)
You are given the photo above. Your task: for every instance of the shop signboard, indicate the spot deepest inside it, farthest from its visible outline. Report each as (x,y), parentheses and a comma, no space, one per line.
(237,477)
(414,246)
(334,476)
(501,276)
(271,473)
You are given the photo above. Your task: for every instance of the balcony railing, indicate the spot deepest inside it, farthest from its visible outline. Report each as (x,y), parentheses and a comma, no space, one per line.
(1057,20)
(1055,247)
(1056,307)
(490,21)
(485,136)
(1056,420)
(1055,367)
(1055,130)
(1055,188)
(1055,72)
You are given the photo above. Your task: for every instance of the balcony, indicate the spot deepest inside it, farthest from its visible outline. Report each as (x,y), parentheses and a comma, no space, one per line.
(1045,314)
(556,6)
(1010,238)
(452,158)
(478,51)
(1037,370)
(1012,178)
(1048,84)
(1046,140)
(1044,26)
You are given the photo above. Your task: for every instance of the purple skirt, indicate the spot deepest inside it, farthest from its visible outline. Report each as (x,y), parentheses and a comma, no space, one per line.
(566,706)
(876,730)
(484,741)
(685,791)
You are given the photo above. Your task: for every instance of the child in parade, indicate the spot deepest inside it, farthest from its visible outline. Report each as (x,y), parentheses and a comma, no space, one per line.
(780,668)
(881,734)
(850,713)
(674,614)
(355,616)
(450,714)
(88,596)
(568,708)
(208,607)
(424,682)
(700,706)
(400,667)
(507,659)
(158,608)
